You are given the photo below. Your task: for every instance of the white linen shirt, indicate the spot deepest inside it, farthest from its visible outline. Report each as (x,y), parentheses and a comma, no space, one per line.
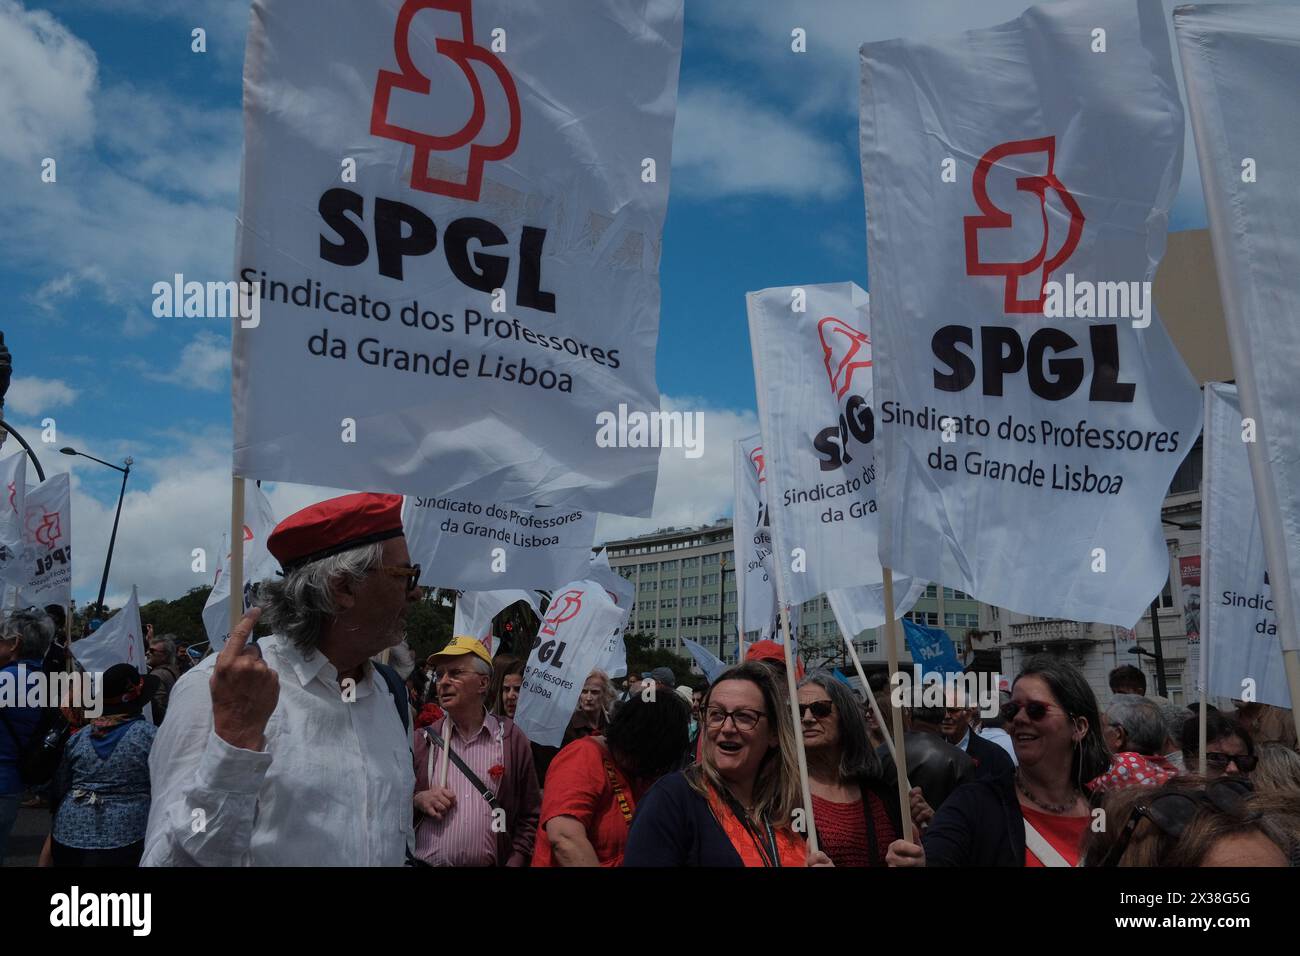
(332,787)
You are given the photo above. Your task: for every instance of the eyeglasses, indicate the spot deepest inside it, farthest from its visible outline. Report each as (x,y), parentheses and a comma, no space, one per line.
(821,709)
(1245,762)
(743,720)
(457,675)
(1034,710)
(412,575)
(1172,812)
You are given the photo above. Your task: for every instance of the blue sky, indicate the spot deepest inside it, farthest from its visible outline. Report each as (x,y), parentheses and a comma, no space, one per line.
(147,136)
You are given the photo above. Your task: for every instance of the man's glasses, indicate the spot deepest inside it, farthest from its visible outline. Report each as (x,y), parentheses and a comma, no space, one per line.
(1172,812)
(412,575)
(1035,710)
(457,675)
(821,709)
(1245,762)
(744,720)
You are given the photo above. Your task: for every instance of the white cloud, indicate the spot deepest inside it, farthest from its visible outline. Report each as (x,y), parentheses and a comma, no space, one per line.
(29,395)
(726,144)
(46,77)
(690,491)
(204,364)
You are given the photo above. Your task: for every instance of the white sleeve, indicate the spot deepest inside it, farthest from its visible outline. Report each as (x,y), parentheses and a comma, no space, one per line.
(204,790)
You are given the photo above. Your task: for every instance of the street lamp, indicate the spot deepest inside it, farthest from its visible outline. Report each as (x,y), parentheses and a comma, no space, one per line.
(103,582)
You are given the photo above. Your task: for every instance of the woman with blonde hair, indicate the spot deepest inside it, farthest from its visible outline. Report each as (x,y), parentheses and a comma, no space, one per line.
(1278,770)
(590,718)
(736,805)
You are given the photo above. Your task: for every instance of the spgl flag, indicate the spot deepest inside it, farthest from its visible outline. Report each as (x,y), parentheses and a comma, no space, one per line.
(259,522)
(1238,613)
(13,509)
(1031,408)
(119,640)
(755,577)
(46,558)
(454,210)
(571,642)
(812,372)
(1241,66)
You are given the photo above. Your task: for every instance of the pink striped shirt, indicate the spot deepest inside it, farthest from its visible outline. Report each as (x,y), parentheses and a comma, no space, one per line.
(464,836)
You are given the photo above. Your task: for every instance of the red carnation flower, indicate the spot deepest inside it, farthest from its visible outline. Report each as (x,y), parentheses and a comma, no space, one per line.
(429,713)
(496,771)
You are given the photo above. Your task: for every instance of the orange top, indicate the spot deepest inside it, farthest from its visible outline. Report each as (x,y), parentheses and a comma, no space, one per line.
(791,848)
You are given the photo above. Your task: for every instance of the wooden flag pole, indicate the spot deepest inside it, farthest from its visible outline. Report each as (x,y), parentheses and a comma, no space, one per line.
(900,756)
(236,551)
(871,698)
(798,731)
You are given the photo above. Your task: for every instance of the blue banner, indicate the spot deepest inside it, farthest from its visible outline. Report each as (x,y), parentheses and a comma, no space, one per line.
(932,648)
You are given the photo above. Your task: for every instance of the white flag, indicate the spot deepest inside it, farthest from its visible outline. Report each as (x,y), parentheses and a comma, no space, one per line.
(470,545)
(455,213)
(46,559)
(1032,409)
(1241,66)
(475,611)
(1239,624)
(863,608)
(755,576)
(13,510)
(812,372)
(119,640)
(259,564)
(569,644)
(613,660)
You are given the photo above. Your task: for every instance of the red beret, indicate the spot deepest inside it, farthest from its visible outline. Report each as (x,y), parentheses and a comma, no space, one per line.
(330,527)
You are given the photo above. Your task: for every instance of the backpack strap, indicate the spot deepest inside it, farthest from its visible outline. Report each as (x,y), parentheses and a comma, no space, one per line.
(396,687)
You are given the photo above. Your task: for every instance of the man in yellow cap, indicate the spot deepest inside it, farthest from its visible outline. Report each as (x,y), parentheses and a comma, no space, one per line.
(476,792)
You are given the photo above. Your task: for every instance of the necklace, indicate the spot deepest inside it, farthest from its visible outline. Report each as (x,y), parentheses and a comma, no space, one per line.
(1049,807)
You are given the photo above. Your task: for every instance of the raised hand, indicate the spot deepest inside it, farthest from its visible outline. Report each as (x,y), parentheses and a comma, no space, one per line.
(244,688)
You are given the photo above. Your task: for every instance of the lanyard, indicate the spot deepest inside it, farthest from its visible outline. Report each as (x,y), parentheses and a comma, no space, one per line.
(767,850)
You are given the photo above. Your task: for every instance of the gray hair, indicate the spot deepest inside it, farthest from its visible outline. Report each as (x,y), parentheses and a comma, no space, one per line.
(300,604)
(34,630)
(858,760)
(1143,724)
(1174,716)
(168,642)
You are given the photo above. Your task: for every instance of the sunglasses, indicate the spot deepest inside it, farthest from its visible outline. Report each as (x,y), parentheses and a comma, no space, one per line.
(1245,762)
(821,709)
(1035,710)
(1172,812)
(412,575)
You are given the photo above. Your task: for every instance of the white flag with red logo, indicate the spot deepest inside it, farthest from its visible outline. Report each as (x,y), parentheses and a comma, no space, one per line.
(13,508)
(1241,67)
(1032,409)
(1239,619)
(812,371)
(455,211)
(46,560)
(119,640)
(613,660)
(756,608)
(259,522)
(571,640)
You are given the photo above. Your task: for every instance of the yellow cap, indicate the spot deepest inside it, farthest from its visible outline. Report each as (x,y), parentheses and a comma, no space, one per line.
(465,645)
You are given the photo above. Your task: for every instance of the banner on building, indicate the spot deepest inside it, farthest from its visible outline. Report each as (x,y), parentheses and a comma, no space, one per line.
(1237,61)
(570,642)
(1239,615)
(1023,380)
(46,559)
(812,372)
(470,545)
(1189,575)
(454,211)
(259,564)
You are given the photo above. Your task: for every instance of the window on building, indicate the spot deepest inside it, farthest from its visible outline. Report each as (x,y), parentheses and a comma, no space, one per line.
(669,585)
(648,605)
(668,603)
(649,586)
(731,597)
(693,582)
(930,591)
(646,567)
(1188,476)
(708,600)
(710,579)
(872,646)
(828,628)
(669,565)
(690,563)
(709,559)
(667,623)
(730,619)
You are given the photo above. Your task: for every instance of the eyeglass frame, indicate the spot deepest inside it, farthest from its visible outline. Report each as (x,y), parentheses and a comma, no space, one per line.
(411,573)
(732,715)
(830,709)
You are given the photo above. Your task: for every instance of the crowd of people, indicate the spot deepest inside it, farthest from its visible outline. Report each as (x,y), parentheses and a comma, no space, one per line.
(306,748)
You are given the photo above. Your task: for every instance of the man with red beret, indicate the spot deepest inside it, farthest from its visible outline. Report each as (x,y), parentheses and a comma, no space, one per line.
(293,750)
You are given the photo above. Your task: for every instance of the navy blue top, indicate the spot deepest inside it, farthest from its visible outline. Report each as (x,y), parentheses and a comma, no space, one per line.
(102,788)
(17,724)
(674,826)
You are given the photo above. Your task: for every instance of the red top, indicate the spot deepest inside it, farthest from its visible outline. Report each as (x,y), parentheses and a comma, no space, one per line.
(578,786)
(791,849)
(1065,834)
(842,830)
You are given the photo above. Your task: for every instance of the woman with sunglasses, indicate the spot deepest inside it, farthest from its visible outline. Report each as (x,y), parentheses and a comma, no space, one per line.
(855,798)
(1037,815)
(1229,748)
(735,807)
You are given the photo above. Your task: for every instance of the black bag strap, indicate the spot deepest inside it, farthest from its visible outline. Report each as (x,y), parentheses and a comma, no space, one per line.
(396,687)
(485,791)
